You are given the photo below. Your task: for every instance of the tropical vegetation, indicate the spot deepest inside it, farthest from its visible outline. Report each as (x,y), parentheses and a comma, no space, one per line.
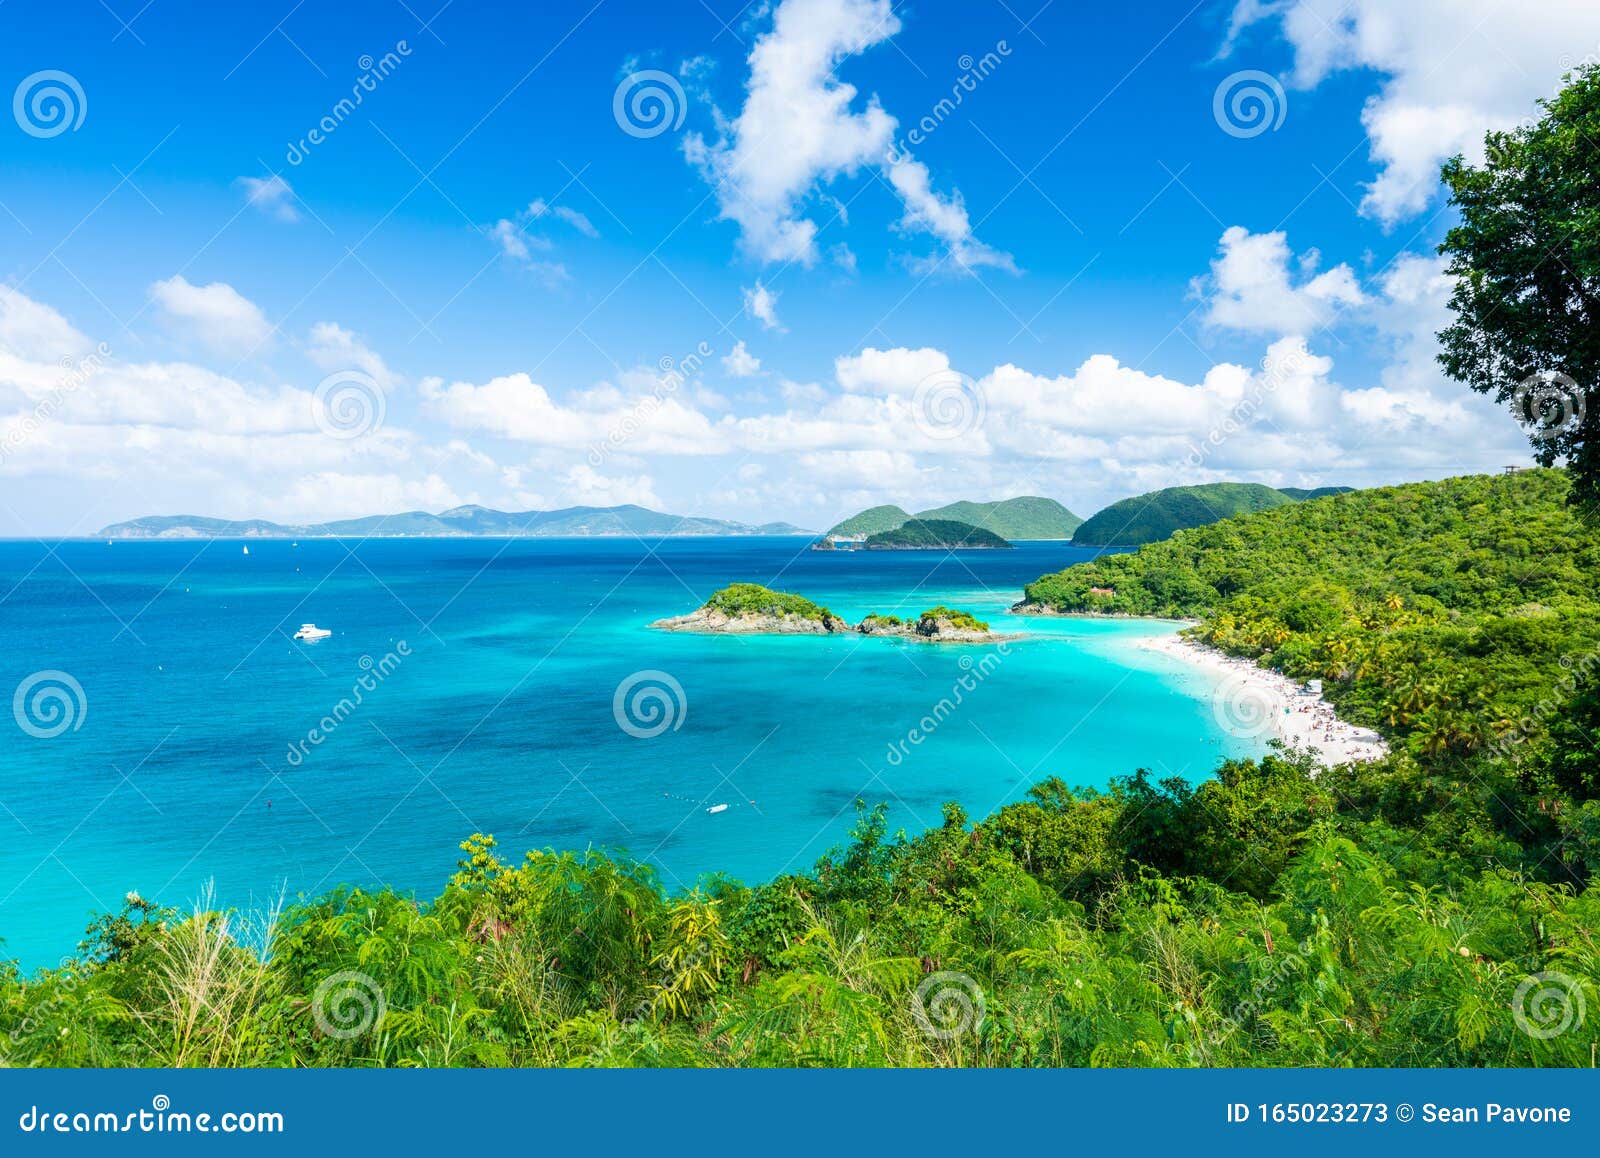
(1149,518)
(934,534)
(1429,908)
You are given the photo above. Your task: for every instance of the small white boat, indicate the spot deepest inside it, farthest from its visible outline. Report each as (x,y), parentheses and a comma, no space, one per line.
(247,550)
(716,808)
(312,631)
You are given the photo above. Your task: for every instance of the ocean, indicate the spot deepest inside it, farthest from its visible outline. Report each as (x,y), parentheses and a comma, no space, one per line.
(168,734)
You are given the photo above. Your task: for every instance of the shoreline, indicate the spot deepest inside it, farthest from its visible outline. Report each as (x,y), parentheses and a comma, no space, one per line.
(1253,701)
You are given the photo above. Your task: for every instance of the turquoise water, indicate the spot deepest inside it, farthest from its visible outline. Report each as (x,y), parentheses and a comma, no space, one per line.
(491,668)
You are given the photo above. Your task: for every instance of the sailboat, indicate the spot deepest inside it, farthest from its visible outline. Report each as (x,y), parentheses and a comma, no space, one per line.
(247,549)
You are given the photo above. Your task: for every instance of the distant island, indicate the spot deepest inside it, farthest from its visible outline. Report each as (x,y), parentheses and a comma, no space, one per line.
(467,521)
(1028,517)
(935,535)
(751,609)
(1151,517)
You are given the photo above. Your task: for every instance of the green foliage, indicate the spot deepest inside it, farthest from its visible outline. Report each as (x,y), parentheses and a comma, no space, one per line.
(1028,517)
(1149,518)
(961,619)
(1449,613)
(738,599)
(871,521)
(935,534)
(1525,264)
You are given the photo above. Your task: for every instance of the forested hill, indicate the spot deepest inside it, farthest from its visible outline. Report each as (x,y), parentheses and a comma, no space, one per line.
(1444,609)
(1149,518)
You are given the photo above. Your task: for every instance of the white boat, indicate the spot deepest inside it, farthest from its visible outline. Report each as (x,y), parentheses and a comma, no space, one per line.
(312,631)
(247,550)
(716,808)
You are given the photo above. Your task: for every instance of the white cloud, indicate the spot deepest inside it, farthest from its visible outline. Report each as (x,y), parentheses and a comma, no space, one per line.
(540,208)
(1452,69)
(802,127)
(1253,289)
(271,195)
(34,331)
(585,486)
(216,315)
(761,304)
(512,241)
(740,362)
(334,348)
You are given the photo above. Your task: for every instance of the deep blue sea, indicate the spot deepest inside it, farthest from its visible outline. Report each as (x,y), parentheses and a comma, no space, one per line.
(198,750)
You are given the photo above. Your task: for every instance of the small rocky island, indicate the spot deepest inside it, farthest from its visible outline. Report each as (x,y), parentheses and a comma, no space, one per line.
(751,609)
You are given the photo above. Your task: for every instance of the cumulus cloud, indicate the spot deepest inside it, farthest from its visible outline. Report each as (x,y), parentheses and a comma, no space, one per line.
(271,195)
(216,315)
(761,304)
(1451,69)
(334,348)
(1258,286)
(740,362)
(802,127)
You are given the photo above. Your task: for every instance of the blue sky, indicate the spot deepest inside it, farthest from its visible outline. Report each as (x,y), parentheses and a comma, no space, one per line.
(1070,285)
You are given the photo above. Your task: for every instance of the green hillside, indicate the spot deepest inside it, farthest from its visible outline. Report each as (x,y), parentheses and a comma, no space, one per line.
(870,521)
(1026,517)
(934,534)
(1300,494)
(1443,610)
(1151,517)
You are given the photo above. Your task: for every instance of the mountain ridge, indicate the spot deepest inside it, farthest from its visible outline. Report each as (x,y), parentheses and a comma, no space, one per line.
(466,521)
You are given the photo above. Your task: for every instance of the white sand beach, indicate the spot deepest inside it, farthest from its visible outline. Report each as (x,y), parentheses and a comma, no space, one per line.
(1250,701)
